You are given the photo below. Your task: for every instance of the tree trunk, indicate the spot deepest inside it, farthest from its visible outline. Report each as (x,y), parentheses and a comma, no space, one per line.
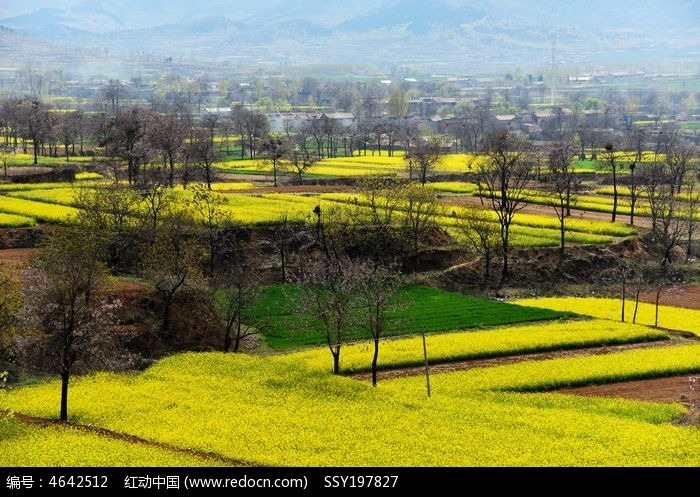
(504,239)
(283,264)
(624,296)
(227,336)
(171,175)
(656,310)
(633,201)
(487,268)
(562,232)
(212,254)
(165,323)
(614,211)
(374,362)
(336,359)
(65,378)
(239,334)
(633,191)
(636,304)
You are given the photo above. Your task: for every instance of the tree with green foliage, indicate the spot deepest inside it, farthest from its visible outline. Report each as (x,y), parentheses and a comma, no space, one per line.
(10,305)
(172,263)
(114,214)
(398,104)
(157,201)
(421,207)
(212,216)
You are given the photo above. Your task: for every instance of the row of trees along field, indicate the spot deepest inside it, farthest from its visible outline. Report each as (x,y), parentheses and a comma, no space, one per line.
(63,132)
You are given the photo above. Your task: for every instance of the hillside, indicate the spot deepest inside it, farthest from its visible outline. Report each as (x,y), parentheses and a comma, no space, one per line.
(440,35)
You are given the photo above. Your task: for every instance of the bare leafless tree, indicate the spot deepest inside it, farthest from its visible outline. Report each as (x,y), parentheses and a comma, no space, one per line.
(481,234)
(692,206)
(612,163)
(7,151)
(669,223)
(298,163)
(166,136)
(563,185)
(505,175)
(328,297)
(237,290)
(377,292)
(423,157)
(275,151)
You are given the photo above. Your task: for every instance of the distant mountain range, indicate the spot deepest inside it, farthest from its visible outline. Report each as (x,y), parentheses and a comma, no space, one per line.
(434,35)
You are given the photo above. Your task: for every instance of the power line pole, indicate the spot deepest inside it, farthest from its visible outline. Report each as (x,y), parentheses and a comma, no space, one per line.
(554,70)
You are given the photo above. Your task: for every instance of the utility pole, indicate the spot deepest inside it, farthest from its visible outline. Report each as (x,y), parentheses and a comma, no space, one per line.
(554,70)
(425,356)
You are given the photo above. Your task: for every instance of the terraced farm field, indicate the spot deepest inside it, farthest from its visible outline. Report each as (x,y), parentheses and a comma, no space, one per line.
(23,444)
(39,211)
(15,221)
(245,206)
(21,160)
(474,417)
(499,342)
(672,318)
(485,415)
(423,309)
(358,165)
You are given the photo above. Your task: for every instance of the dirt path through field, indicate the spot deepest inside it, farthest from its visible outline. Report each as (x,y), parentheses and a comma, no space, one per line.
(677,296)
(18,256)
(315,189)
(115,435)
(670,389)
(543,210)
(500,361)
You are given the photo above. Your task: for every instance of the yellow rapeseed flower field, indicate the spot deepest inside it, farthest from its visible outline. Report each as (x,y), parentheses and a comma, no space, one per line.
(673,318)
(288,410)
(56,446)
(456,346)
